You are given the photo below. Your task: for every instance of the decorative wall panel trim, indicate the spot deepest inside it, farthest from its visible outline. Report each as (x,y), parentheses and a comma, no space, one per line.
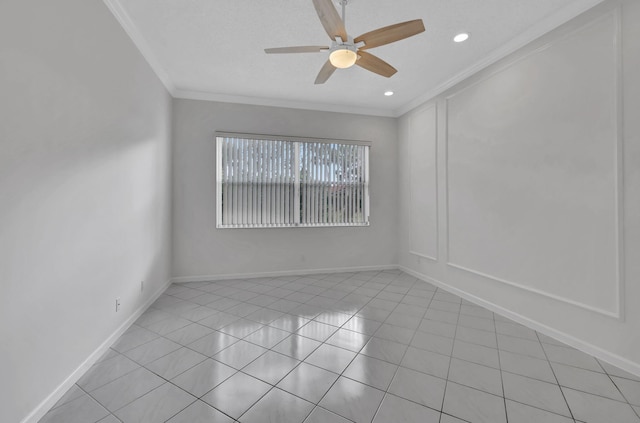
(538,291)
(429,107)
(618,311)
(415,253)
(621,253)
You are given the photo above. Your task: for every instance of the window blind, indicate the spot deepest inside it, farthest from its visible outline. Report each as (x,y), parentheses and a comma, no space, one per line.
(265,182)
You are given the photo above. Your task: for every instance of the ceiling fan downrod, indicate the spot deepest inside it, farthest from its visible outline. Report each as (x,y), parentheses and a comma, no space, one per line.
(343,3)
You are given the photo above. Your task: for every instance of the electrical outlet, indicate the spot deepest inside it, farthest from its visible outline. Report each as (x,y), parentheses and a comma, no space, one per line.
(141,286)
(117,304)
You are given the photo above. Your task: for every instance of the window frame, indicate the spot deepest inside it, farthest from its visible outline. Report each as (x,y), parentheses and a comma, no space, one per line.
(219,136)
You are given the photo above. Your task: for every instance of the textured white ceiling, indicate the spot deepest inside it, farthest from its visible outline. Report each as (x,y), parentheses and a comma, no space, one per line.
(215,49)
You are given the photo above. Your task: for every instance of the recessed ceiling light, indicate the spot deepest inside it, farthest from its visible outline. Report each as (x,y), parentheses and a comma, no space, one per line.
(388,93)
(461,37)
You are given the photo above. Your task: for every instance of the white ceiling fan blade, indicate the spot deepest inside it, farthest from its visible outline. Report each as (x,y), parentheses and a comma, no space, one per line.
(330,19)
(326,71)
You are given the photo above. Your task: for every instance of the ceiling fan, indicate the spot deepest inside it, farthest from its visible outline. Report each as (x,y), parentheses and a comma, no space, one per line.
(346,51)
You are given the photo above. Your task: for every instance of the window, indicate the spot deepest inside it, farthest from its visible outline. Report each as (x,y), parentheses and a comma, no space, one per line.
(272,182)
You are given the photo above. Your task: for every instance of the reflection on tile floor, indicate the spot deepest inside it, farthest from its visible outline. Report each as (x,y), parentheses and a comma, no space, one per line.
(354,347)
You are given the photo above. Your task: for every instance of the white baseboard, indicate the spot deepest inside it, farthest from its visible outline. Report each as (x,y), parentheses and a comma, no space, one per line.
(52,399)
(201,278)
(613,359)
(55,396)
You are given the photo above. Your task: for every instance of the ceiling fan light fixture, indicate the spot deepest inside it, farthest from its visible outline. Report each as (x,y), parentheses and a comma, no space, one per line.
(343,57)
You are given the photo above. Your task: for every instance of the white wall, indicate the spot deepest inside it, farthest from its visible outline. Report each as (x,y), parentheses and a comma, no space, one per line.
(84,191)
(537,166)
(201,250)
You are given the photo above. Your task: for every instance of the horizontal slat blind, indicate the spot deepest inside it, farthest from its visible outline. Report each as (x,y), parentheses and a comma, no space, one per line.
(267,183)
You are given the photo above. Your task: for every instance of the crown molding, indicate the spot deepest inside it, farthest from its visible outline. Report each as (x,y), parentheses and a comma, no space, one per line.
(273,102)
(141,44)
(548,24)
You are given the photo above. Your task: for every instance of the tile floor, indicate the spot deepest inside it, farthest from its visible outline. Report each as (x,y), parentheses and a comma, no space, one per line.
(359,347)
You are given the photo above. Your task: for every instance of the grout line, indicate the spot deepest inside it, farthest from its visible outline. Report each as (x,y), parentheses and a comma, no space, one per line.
(347,366)
(358,352)
(618,388)
(407,349)
(504,396)
(556,378)
(300,361)
(455,331)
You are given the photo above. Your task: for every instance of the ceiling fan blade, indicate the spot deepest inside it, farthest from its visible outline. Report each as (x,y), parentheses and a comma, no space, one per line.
(374,64)
(330,19)
(390,34)
(297,49)
(324,74)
